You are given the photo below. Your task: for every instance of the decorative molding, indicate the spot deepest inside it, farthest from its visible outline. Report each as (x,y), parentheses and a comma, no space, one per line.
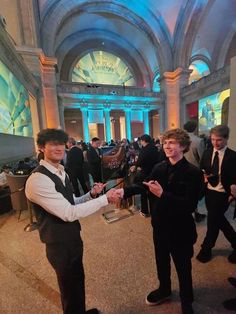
(208,85)
(13,60)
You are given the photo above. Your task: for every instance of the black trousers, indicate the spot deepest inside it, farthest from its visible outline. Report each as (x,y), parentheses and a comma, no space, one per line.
(66,259)
(75,175)
(217,204)
(138,178)
(181,255)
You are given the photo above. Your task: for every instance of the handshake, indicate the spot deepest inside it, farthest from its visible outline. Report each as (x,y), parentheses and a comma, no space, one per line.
(115,195)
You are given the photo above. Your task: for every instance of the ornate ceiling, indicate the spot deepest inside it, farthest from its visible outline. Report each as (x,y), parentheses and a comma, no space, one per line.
(151,35)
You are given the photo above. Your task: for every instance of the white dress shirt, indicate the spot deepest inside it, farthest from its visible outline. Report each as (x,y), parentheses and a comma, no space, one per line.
(219,187)
(40,189)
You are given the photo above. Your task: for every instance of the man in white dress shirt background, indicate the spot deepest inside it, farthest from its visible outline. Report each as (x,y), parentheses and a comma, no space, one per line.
(194,155)
(58,211)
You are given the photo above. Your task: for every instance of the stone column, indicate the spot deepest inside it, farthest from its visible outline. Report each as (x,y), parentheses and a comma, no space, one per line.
(161,114)
(107,123)
(128,122)
(49,90)
(84,110)
(61,113)
(171,83)
(146,127)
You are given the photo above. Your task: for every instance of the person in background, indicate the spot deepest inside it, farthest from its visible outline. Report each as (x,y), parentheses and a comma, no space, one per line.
(5,199)
(94,156)
(24,166)
(147,158)
(175,186)
(3,179)
(218,164)
(58,212)
(74,166)
(194,155)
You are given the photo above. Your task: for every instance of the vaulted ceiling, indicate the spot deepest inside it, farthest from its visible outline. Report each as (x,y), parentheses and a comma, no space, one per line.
(151,35)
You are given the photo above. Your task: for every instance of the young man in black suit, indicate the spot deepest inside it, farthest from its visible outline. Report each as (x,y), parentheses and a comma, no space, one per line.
(74,167)
(147,158)
(218,164)
(175,186)
(94,156)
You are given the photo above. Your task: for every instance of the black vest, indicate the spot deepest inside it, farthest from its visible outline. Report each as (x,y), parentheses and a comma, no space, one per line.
(52,229)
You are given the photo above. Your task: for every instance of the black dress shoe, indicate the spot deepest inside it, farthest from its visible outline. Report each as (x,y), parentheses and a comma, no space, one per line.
(157,297)
(232,257)
(187,308)
(230,304)
(204,256)
(232,280)
(92,311)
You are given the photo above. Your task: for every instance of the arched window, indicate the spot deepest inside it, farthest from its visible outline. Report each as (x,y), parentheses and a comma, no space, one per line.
(200,69)
(101,67)
(156,85)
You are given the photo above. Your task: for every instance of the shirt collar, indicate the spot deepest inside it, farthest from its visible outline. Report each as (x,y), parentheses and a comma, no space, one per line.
(52,168)
(178,164)
(220,151)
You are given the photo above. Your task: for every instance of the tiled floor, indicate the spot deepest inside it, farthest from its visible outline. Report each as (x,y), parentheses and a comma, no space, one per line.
(119,268)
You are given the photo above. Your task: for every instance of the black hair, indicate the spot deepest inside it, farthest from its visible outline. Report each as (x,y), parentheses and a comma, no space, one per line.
(95,139)
(72,140)
(52,135)
(190,126)
(146,138)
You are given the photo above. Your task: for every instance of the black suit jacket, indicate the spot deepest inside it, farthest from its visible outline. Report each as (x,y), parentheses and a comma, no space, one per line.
(228,167)
(94,162)
(75,158)
(172,213)
(147,158)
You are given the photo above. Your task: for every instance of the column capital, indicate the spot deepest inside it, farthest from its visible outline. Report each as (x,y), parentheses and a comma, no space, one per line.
(84,107)
(47,61)
(176,73)
(107,107)
(128,107)
(146,107)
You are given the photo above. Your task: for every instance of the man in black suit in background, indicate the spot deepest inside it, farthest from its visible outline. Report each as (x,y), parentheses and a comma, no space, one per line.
(147,158)
(94,156)
(74,167)
(218,164)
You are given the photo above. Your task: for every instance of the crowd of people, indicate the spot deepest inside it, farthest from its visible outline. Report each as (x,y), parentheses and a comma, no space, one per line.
(171,174)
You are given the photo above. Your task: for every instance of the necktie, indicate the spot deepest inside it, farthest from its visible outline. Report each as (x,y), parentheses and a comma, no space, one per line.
(215,165)
(214,179)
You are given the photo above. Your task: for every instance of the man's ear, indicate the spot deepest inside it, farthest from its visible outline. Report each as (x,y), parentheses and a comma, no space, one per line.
(41,148)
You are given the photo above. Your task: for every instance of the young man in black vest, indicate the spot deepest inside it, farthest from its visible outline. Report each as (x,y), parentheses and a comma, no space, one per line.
(57,212)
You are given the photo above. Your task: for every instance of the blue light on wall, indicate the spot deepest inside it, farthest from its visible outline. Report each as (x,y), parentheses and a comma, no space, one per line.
(137,116)
(95,116)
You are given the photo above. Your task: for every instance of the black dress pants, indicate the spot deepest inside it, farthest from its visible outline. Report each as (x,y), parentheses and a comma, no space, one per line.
(75,175)
(66,259)
(139,178)
(181,255)
(217,204)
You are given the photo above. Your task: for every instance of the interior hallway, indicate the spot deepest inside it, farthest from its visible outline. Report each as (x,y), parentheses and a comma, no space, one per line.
(119,268)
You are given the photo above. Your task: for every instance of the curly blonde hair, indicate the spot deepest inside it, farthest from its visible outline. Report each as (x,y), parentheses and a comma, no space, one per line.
(180,136)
